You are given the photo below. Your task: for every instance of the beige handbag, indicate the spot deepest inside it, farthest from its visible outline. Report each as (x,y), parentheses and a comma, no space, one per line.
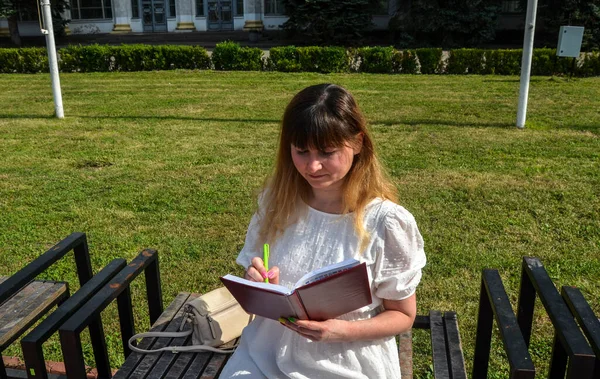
(215,318)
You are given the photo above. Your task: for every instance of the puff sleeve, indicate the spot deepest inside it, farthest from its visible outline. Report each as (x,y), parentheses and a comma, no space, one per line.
(400,256)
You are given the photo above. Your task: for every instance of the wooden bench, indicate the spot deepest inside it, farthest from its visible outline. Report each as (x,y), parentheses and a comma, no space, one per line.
(447,351)
(26,307)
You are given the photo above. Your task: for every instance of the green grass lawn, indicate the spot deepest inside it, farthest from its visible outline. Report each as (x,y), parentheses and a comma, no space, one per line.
(173,160)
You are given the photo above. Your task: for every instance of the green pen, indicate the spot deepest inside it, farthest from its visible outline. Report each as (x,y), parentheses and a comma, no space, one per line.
(266,259)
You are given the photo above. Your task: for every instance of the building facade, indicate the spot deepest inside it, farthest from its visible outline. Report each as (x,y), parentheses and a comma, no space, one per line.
(151,16)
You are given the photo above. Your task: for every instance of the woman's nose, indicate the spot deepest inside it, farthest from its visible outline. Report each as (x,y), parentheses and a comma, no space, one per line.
(314,165)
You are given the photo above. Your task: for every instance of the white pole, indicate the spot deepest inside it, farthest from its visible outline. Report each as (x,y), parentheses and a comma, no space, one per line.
(52,60)
(526,62)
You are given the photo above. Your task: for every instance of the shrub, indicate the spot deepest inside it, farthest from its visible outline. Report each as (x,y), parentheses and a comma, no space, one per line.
(285,59)
(9,61)
(185,57)
(91,58)
(97,58)
(323,59)
(27,61)
(430,60)
(405,62)
(375,59)
(590,65)
(465,61)
(230,56)
(503,62)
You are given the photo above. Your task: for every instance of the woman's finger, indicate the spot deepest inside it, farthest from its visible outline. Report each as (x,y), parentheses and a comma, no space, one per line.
(253,274)
(259,265)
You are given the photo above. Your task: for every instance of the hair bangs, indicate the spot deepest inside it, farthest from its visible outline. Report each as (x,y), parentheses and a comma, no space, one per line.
(315,128)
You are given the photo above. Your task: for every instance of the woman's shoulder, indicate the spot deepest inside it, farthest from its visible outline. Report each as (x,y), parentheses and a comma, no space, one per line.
(385,212)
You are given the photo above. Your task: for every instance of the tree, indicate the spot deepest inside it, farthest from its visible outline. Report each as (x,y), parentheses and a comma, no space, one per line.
(13,10)
(446,23)
(552,14)
(341,22)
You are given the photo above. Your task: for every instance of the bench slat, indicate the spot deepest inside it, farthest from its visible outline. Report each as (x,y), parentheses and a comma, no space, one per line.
(149,360)
(438,346)
(160,325)
(166,359)
(197,366)
(26,307)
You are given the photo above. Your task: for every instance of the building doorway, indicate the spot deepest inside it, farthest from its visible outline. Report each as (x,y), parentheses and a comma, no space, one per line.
(220,15)
(154,15)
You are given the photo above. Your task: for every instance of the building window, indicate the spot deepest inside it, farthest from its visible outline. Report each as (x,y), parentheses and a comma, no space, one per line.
(135,9)
(199,7)
(511,6)
(274,8)
(172,11)
(91,9)
(382,8)
(239,7)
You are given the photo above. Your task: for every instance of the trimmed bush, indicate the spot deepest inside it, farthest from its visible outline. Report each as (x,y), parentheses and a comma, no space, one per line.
(323,59)
(231,56)
(503,62)
(430,60)
(465,61)
(375,59)
(185,57)
(545,62)
(284,59)
(91,58)
(27,61)
(590,65)
(405,62)
(98,58)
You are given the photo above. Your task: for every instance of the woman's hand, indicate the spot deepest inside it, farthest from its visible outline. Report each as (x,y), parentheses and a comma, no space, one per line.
(397,317)
(333,330)
(257,272)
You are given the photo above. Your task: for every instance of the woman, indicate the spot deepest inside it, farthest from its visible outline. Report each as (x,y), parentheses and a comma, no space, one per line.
(328,200)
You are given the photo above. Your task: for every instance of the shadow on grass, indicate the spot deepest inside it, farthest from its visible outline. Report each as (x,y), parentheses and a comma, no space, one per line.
(413,122)
(467,124)
(26,116)
(265,120)
(183,118)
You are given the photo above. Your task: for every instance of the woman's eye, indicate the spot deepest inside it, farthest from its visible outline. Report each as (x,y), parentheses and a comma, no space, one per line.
(327,153)
(301,152)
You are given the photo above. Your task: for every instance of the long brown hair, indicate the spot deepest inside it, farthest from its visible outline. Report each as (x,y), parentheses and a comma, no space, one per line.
(320,117)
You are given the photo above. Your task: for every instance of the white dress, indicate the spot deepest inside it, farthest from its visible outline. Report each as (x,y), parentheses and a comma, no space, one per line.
(394,258)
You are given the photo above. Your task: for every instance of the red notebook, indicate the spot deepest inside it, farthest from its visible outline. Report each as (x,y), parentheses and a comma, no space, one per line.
(320,295)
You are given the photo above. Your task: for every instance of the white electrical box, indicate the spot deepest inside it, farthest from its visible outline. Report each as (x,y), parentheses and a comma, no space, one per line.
(569,41)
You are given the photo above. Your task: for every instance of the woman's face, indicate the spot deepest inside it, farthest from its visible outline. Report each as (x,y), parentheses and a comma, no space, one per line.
(324,169)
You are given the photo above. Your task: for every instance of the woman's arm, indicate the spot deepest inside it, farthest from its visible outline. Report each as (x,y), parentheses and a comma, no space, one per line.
(397,317)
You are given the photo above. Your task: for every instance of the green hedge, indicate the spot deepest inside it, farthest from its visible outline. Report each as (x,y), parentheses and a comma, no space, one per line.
(27,61)
(374,59)
(405,62)
(99,58)
(430,60)
(590,65)
(231,56)
(323,59)
(503,62)
(284,59)
(466,61)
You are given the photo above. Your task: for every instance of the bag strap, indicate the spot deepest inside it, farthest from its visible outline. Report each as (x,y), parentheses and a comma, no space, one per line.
(175,349)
